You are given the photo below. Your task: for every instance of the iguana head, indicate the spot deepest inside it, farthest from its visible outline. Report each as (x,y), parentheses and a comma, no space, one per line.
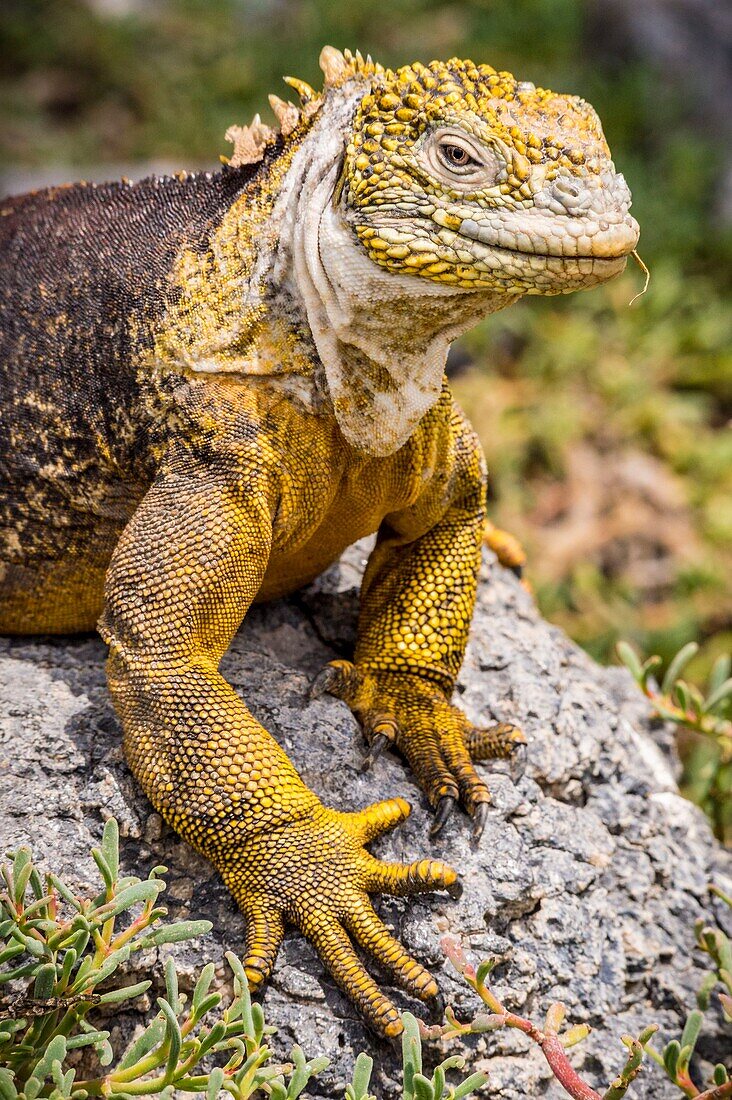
(466,176)
(404,205)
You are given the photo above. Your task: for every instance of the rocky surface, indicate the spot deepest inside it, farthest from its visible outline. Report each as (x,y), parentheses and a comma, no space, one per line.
(587,882)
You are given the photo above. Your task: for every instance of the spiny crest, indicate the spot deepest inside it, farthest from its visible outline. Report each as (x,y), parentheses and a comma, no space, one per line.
(249,142)
(338,67)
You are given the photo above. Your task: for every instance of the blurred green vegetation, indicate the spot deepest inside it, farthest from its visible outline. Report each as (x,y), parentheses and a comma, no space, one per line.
(605,424)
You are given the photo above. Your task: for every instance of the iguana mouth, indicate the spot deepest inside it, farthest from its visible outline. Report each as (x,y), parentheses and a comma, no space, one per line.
(627,232)
(614,243)
(563,256)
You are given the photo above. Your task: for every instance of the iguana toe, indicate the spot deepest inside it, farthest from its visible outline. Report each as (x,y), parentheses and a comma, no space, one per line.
(265,929)
(506,547)
(497,742)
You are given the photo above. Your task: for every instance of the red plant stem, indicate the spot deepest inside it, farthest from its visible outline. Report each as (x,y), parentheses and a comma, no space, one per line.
(563,1071)
(718,1093)
(559,1064)
(687,1086)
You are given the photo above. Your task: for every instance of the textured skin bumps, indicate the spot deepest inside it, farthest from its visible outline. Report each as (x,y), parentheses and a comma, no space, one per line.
(213,384)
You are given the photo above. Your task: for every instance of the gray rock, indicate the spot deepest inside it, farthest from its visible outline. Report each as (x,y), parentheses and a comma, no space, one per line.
(587,882)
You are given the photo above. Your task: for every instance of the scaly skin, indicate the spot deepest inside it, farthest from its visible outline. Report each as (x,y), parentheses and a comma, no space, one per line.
(214,384)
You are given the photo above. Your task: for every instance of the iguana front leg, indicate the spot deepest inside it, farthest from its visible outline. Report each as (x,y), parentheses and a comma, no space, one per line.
(417,602)
(185,572)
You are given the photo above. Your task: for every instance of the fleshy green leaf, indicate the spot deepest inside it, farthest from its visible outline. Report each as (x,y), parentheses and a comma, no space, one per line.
(132,895)
(44,983)
(174,933)
(469,1085)
(718,696)
(8,1090)
(90,1038)
(151,1037)
(215,1083)
(721,669)
(692,1028)
(104,869)
(630,659)
(677,666)
(173,1037)
(362,1076)
(171,986)
(110,846)
(422,1088)
(671,1058)
(22,867)
(124,993)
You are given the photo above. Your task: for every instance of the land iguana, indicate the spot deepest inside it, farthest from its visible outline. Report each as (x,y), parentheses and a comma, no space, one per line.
(214,383)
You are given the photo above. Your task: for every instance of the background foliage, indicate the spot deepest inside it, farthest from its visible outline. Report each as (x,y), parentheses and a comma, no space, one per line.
(605,425)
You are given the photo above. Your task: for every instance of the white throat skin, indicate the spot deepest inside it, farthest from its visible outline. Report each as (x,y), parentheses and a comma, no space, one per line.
(382,338)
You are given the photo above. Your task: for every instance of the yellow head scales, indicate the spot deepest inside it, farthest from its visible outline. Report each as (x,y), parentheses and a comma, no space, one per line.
(537,207)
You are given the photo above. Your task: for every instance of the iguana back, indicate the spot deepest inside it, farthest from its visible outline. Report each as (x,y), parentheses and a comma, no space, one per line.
(86,281)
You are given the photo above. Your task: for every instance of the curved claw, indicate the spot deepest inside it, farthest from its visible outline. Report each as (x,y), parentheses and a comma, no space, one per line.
(437,1007)
(444,808)
(323,682)
(455,889)
(381,730)
(377,746)
(337,678)
(517,759)
(479,819)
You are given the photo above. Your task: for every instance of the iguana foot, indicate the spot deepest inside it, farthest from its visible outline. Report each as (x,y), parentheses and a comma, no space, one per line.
(402,709)
(315,872)
(506,547)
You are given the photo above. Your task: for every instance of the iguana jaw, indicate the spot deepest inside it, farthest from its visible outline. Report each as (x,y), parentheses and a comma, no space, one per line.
(526,252)
(574,232)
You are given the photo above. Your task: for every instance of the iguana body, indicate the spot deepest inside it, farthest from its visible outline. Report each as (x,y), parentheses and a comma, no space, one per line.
(214,384)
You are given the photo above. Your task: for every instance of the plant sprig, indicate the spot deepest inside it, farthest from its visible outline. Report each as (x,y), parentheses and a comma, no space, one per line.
(60,952)
(552,1041)
(66,950)
(682,703)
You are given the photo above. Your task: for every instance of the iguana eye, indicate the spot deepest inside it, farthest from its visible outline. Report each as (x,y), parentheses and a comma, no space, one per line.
(460,161)
(455,156)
